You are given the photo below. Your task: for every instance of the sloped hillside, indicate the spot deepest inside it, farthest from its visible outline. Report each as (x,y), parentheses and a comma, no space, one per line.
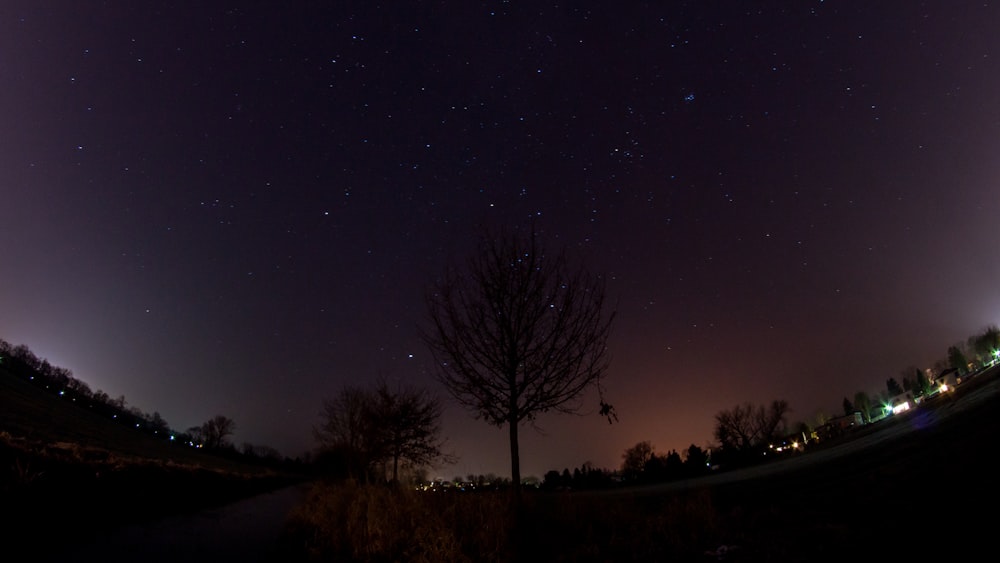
(65,468)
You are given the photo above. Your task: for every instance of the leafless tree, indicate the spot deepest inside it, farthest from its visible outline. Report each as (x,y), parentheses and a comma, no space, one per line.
(634,459)
(216,430)
(519,332)
(382,426)
(407,423)
(747,428)
(346,427)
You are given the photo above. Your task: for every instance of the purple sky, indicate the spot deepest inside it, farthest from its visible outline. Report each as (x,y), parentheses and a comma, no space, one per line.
(237,211)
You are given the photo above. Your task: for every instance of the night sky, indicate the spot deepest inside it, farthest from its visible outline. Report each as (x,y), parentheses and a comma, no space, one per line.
(217,210)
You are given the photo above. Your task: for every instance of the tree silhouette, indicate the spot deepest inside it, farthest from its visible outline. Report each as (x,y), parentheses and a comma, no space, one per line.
(406,422)
(346,431)
(746,429)
(216,430)
(552,479)
(921,384)
(864,403)
(672,465)
(985,344)
(695,460)
(893,387)
(957,359)
(848,406)
(362,428)
(635,459)
(158,424)
(517,333)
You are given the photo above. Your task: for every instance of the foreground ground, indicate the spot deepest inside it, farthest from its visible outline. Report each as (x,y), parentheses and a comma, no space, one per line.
(919,486)
(916,487)
(67,473)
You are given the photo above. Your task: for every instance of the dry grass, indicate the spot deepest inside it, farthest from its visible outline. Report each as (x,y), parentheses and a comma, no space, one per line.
(924,494)
(350,522)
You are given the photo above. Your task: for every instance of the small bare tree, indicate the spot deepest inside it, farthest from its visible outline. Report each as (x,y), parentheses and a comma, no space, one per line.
(747,429)
(635,459)
(346,428)
(518,333)
(216,431)
(407,420)
(386,425)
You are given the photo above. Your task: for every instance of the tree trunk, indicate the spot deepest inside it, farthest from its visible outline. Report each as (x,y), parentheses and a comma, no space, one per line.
(515,459)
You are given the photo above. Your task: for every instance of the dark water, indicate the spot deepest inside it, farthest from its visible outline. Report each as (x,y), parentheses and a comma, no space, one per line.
(246,531)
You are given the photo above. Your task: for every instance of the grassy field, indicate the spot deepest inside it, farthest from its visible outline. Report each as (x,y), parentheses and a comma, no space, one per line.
(65,470)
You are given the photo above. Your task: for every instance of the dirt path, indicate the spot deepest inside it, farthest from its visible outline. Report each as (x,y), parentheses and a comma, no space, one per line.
(246,531)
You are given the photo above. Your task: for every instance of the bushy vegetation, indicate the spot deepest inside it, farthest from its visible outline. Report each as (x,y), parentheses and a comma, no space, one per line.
(373,523)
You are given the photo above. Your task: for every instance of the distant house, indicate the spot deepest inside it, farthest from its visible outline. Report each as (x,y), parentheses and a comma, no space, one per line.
(947,380)
(840,426)
(793,442)
(901,403)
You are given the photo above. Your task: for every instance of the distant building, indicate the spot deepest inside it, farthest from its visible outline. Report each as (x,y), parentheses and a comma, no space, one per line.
(900,403)
(794,442)
(946,381)
(840,426)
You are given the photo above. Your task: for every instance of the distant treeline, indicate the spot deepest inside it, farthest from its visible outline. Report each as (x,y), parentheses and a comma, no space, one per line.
(642,466)
(745,434)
